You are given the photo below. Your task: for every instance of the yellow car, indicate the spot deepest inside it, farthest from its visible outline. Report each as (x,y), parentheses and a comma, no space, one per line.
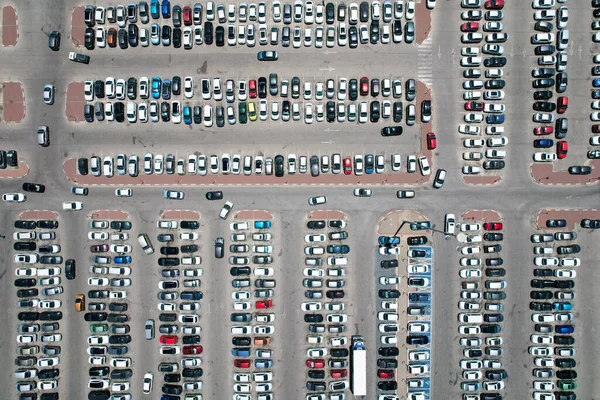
(80,303)
(252,111)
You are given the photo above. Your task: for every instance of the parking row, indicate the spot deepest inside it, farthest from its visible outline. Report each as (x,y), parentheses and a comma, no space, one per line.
(593,152)
(247,165)
(555,263)
(39,302)
(326,259)
(550,73)
(490,110)
(481,343)
(253,314)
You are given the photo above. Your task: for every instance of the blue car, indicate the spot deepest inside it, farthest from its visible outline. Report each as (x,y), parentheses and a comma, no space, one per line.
(187,115)
(122,260)
(343,249)
(263,363)
(166,9)
(562,306)
(564,329)
(596,82)
(543,143)
(388,240)
(369,163)
(420,225)
(262,224)
(156,87)
(155,9)
(240,352)
(191,295)
(495,119)
(166,90)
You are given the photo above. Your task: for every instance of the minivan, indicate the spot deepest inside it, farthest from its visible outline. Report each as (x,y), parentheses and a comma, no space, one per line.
(470,318)
(144,241)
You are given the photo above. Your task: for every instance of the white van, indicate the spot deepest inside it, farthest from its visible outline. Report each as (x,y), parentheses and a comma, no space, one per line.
(144,241)
(449,225)
(337,260)
(470,318)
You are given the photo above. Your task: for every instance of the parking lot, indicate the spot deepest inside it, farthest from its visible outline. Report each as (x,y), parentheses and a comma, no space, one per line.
(244,325)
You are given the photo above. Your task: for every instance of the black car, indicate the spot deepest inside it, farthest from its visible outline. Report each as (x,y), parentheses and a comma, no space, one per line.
(330,111)
(492,62)
(389,293)
(21,293)
(172,389)
(329,13)
(541,272)
(315,224)
(216,195)
(51,316)
(388,351)
(416,240)
(571,249)
(538,306)
(564,284)
(98,294)
(192,372)
(561,82)
(119,307)
(310,318)
(489,236)
(495,272)
(165,35)
(88,112)
(220,116)
(494,295)
(279,172)
(335,294)
(543,72)
(566,374)
(387,385)
(197,111)
(496,374)
(580,170)
(374,32)
(540,294)
(120,225)
(387,363)
(169,251)
(417,339)
(556,223)
(122,39)
(590,223)
(54,40)
(121,374)
(241,341)
(375,109)
(177,34)
(118,318)
(98,372)
(353,89)
(25,282)
(560,128)
(316,386)
(389,263)
(543,95)
(396,113)
(70,269)
(172,378)
(89,38)
(544,106)
(541,284)
(119,110)
(220,36)
(565,363)
(25,224)
(490,328)
(339,352)
(316,374)
(117,350)
(99,395)
(237,271)
(392,130)
(24,246)
(133,34)
(494,262)
(176,85)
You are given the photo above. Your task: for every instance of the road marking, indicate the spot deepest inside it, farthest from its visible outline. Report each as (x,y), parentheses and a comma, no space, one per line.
(425,62)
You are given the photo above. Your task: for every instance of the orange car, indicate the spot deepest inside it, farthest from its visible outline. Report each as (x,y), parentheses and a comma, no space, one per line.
(80,303)
(262,341)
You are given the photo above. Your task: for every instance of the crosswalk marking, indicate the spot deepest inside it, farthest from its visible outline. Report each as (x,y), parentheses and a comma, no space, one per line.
(425,62)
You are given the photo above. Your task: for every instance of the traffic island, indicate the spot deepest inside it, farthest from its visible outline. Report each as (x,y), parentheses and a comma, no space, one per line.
(543,174)
(186,215)
(39,215)
(75,102)
(78,26)
(15,173)
(253,215)
(10,27)
(109,214)
(13,103)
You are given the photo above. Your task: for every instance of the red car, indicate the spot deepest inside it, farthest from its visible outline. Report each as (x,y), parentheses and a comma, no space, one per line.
(494,4)
(595,128)
(364,86)
(264,304)
(470,27)
(192,349)
(562,104)
(543,130)
(252,89)
(187,15)
(562,147)
(99,248)
(492,226)
(339,373)
(242,363)
(385,373)
(315,363)
(431,142)
(474,105)
(168,339)
(347,166)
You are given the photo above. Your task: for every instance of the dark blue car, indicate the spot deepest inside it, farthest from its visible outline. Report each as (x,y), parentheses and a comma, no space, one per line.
(543,143)
(122,260)
(388,240)
(564,329)
(262,224)
(596,82)
(495,119)
(344,249)
(166,9)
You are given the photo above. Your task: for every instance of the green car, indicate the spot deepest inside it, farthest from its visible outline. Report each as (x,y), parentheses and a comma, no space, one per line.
(98,328)
(567,385)
(243,117)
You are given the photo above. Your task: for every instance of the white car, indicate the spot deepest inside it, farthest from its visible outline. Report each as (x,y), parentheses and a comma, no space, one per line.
(474,143)
(470,262)
(226,210)
(542,156)
(546,261)
(470,273)
(25,258)
(417,268)
(124,192)
(14,197)
(73,205)
(188,236)
(424,166)
(310,306)
(314,201)
(389,280)
(537,317)
(469,129)
(417,327)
